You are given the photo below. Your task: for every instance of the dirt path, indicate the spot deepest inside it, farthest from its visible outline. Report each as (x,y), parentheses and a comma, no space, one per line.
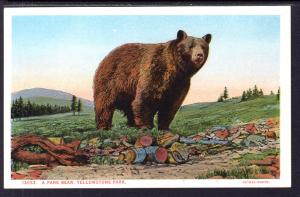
(198,166)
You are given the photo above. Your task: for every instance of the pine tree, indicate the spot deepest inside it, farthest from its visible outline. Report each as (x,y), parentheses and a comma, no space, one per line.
(20,108)
(225,94)
(244,97)
(249,94)
(13,110)
(261,93)
(255,92)
(278,94)
(79,106)
(220,99)
(73,104)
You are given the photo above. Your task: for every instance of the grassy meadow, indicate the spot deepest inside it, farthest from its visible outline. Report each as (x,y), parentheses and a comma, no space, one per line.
(189,120)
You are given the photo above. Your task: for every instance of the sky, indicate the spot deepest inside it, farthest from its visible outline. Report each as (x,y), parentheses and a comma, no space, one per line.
(63,52)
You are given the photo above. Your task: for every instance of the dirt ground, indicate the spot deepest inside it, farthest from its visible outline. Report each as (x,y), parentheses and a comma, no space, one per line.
(190,170)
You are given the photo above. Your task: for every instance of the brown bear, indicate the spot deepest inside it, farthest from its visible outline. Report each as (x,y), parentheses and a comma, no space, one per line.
(144,79)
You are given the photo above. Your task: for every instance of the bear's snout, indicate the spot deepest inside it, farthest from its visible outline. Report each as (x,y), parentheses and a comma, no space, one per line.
(199,57)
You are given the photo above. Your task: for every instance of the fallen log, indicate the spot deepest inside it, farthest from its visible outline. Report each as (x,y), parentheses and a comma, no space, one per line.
(67,154)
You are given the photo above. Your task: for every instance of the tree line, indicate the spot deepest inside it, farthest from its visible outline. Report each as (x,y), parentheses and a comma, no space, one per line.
(252,94)
(21,109)
(249,94)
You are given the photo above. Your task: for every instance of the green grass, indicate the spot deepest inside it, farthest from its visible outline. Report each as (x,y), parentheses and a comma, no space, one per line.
(243,170)
(235,173)
(238,173)
(197,118)
(246,158)
(189,120)
(104,160)
(17,165)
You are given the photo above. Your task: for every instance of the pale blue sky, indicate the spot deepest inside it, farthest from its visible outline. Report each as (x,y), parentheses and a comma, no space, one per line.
(62,52)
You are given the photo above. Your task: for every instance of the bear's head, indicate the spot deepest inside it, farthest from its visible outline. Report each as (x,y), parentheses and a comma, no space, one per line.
(190,52)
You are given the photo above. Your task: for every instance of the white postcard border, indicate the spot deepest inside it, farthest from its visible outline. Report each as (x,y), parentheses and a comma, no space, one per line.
(285,103)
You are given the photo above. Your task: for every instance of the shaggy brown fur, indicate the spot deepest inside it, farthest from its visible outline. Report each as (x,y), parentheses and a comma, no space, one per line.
(143,79)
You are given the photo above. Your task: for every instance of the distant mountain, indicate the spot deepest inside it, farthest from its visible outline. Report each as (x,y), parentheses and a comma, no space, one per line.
(42,95)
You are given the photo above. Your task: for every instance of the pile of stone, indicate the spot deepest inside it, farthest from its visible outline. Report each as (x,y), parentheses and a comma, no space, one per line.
(175,149)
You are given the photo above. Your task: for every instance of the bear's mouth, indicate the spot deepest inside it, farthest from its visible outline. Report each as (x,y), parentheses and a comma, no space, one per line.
(199,60)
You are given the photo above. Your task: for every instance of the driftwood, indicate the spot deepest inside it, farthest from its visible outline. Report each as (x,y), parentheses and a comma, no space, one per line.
(67,154)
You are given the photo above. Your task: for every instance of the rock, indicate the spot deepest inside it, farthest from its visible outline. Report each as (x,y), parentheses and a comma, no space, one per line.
(270,134)
(213,141)
(265,162)
(254,140)
(277,174)
(271,122)
(272,169)
(17,176)
(234,129)
(222,134)
(216,128)
(186,140)
(276,163)
(234,135)
(237,140)
(264,176)
(35,174)
(250,128)
(198,137)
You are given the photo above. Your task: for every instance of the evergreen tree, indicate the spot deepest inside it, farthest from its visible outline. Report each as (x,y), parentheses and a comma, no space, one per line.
(278,94)
(271,93)
(13,110)
(79,106)
(249,94)
(73,104)
(255,92)
(261,93)
(20,107)
(244,97)
(220,99)
(225,94)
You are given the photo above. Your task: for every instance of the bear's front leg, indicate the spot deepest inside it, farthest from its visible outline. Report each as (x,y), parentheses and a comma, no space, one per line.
(104,113)
(143,112)
(170,106)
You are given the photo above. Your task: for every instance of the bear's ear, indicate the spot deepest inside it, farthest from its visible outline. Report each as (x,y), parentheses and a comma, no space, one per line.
(181,35)
(207,38)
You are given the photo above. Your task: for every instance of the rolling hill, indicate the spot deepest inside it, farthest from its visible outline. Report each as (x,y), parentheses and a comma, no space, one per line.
(44,96)
(191,119)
